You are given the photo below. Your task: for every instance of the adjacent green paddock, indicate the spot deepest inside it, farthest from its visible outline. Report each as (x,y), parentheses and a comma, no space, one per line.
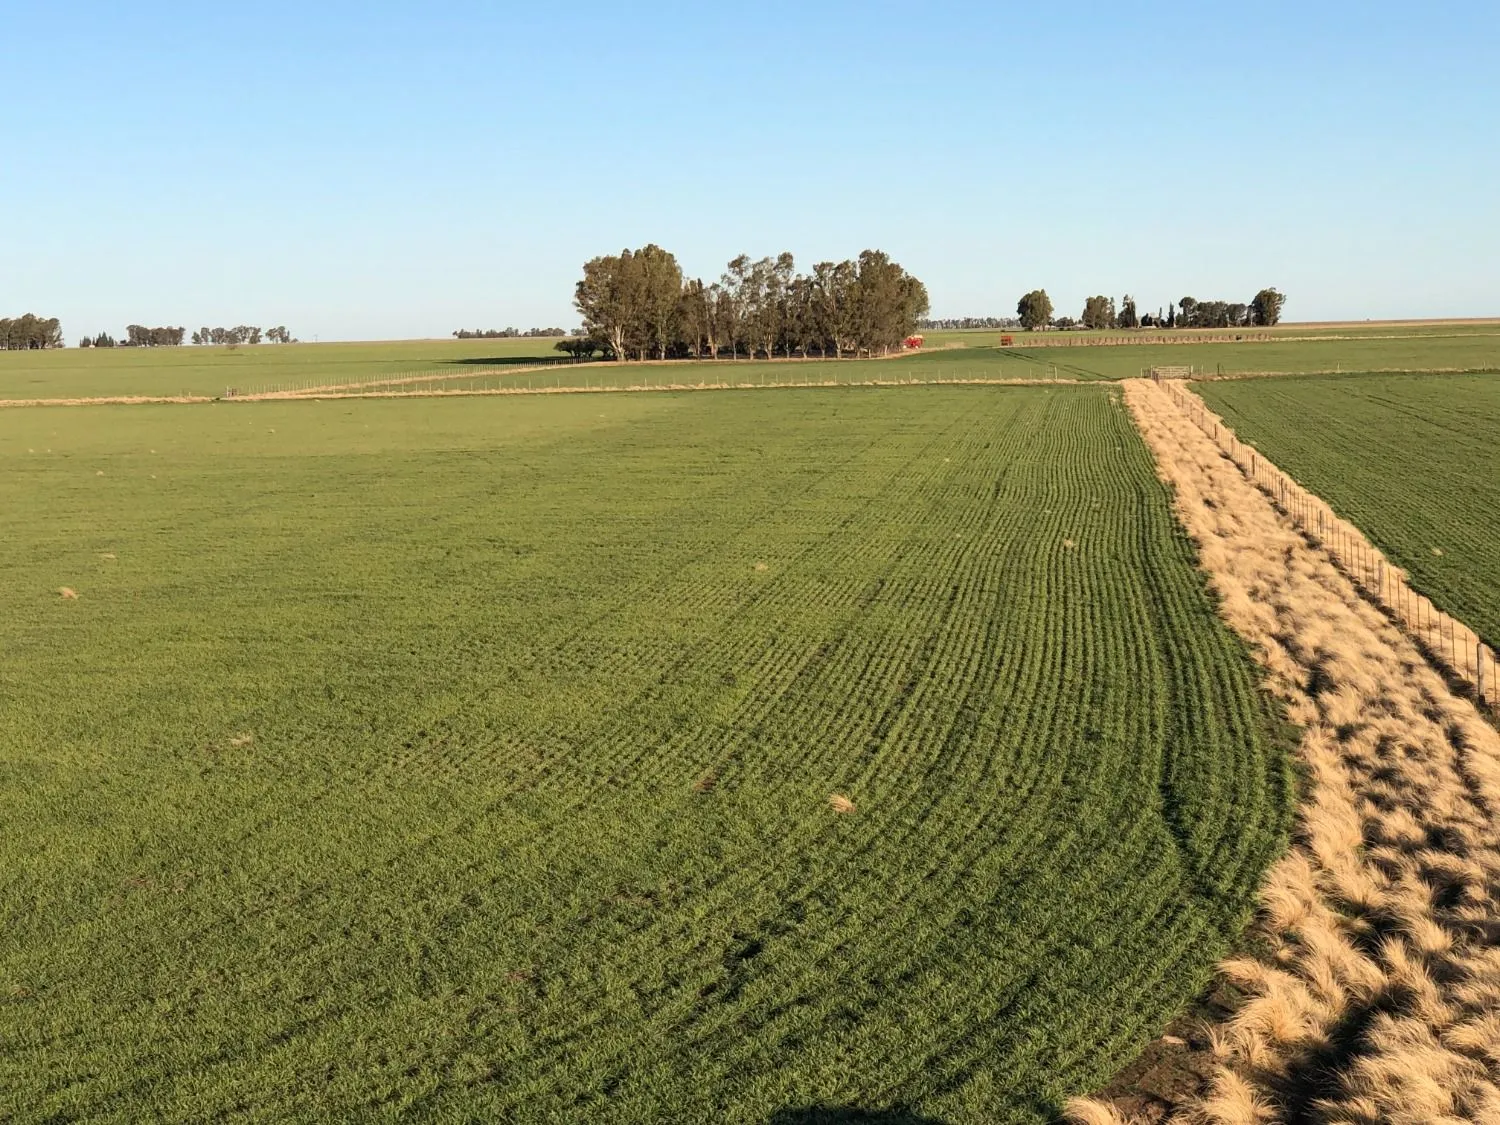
(93,373)
(80,373)
(436,364)
(1413,461)
(1472,350)
(472,759)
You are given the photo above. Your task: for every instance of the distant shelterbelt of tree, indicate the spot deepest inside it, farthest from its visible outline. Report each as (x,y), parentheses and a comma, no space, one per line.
(637,305)
(242,334)
(1263,311)
(507,333)
(30,333)
(954,323)
(137,336)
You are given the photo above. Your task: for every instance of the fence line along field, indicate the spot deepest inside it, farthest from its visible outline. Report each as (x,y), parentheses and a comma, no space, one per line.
(1413,461)
(449,365)
(657,757)
(106,372)
(523,363)
(1474,350)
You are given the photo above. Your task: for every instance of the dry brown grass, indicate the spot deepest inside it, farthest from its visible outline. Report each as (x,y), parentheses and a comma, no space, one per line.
(1087,1111)
(1378,996)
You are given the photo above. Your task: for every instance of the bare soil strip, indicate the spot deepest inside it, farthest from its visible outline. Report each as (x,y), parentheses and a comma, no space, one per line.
(1377,996)
(479,392)
(367,390)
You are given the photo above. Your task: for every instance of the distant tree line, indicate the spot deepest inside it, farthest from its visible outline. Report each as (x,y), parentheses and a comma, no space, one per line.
(952,323)
(637,305)
(139,336)
(1262,311)
(136,336)
(507,333)
(30,333)
(243,334)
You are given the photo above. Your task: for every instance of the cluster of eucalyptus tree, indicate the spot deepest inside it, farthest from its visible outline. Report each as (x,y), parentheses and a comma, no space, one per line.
(1263,311)
(243,334)
(637,305)
(1099,311)
(30,333)
(507,333)
(961,322)
(139,336)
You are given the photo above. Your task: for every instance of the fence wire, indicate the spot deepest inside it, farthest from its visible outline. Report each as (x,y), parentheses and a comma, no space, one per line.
(1447,640)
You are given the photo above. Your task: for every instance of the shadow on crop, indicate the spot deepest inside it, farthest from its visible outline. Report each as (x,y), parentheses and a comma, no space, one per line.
(511,361)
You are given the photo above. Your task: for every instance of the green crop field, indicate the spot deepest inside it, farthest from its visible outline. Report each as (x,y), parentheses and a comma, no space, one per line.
(436,365)
(479,364)
(466,759)
(1468,350)
(948,365)
(1412,460)
(157,372)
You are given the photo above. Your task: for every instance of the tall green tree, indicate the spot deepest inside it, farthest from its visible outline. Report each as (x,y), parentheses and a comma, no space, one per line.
(1265,308)
(658,289)
(605,298)
(1098,312)
(1035,310)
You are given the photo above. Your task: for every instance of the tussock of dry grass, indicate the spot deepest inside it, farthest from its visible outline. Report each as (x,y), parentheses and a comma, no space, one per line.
(1378,999)
(1087,1111)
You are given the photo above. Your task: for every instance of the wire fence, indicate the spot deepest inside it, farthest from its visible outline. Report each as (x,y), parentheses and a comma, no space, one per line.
(1448,641)
(570,378)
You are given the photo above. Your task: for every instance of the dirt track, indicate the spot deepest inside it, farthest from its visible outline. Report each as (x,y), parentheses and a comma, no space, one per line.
(1378,997)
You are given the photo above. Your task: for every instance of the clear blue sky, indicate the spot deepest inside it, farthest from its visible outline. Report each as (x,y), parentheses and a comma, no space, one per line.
(376,170)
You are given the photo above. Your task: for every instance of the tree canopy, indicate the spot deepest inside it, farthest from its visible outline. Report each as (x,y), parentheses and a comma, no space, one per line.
(1265,307)
(1098,312)
(139,336)
(507,333)
(243,334)
(637,305)
(29,332)
(1035,310)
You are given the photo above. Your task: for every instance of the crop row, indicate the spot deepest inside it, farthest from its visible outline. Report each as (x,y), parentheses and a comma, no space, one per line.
(475,757)
(1411,460)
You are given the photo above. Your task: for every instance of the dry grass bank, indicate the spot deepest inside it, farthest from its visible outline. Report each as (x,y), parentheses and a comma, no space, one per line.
(1378,997)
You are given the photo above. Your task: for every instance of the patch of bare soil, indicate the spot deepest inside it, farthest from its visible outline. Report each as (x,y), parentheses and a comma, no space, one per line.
(1376,998)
